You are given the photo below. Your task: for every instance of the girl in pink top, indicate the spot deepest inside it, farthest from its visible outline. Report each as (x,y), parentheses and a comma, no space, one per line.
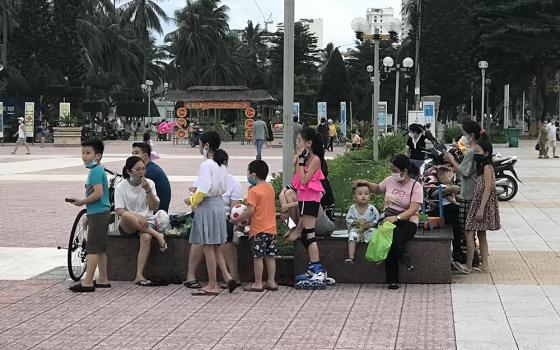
(307,182)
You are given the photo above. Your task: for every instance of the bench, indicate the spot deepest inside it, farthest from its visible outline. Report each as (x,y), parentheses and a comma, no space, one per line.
(430,252)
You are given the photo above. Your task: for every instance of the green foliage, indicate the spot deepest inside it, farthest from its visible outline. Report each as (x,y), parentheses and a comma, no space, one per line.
(451,134)
(497,135)
(391,145)
(68,120)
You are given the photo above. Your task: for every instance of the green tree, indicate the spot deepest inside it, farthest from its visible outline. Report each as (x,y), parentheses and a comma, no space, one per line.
(335,85)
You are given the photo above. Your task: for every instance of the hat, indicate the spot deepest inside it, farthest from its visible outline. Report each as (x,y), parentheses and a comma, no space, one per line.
(20,119)
(330,121)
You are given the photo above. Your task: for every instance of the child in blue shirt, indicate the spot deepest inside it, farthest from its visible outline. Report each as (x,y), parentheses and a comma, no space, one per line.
(98,209)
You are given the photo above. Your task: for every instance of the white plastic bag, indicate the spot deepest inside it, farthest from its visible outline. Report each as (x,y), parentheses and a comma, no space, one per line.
(162,221)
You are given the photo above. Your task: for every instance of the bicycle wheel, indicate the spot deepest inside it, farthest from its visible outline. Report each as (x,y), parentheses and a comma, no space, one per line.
(77,247)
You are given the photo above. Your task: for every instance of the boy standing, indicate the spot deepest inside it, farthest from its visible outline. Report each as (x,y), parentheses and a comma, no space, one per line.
(98,216)
(261,210)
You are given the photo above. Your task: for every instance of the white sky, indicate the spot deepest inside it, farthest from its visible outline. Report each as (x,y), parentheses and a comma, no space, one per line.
(336,14)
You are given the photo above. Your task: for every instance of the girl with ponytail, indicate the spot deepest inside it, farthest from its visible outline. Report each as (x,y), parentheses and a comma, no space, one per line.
(209,223)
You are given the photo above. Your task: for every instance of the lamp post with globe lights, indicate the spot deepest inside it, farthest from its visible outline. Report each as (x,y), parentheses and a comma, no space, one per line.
(147,89)
(483,65)
(406,65)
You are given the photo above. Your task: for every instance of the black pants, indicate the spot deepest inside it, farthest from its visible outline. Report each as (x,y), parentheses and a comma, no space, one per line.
(404,231)
(451,215)
(330,147)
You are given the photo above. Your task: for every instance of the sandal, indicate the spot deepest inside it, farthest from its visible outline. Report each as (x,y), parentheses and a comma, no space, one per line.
(349,261)
(164,248)
(272,289)
(202,292)
(194,284)
(232,285)
(459,267)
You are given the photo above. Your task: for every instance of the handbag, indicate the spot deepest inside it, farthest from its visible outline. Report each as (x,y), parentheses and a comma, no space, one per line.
(538,147)
(380,243)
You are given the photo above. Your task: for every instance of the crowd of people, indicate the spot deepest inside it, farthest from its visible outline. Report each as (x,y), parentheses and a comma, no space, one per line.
(306,205)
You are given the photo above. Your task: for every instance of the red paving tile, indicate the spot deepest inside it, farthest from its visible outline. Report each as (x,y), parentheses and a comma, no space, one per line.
(132,317)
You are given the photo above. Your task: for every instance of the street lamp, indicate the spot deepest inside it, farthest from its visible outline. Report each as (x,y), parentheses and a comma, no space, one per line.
(406,65)
(363,32)
(165,88)
(147,89)
(483,65)
(488,82)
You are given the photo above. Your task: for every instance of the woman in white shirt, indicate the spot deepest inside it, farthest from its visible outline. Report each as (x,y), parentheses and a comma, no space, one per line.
(135,202)
(209,223)
(22,137)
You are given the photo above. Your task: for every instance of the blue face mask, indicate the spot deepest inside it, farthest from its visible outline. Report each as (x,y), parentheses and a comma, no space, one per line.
(91,164)
(251,181)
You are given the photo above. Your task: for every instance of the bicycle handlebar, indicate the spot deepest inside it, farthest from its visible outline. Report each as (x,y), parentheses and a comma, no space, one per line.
(114,173)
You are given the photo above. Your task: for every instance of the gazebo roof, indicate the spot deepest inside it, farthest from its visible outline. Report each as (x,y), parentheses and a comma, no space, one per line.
(218,93)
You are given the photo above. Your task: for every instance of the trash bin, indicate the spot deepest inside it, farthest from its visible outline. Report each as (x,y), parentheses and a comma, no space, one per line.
(513,136)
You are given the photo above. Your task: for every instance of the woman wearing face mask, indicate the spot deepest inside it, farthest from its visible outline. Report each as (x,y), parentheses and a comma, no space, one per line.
(416,145)
(209,224)
(467,169)
(135,202)
(483,214)
(403,198)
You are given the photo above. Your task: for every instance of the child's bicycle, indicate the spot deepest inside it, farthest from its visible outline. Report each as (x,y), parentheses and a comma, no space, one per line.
(77,251)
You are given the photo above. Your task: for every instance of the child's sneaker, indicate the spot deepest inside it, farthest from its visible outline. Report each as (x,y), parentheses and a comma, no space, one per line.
(309,284)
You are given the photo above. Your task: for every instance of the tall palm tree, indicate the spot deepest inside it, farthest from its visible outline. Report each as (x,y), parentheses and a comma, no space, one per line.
(254,43)
(201,34)
(144,16)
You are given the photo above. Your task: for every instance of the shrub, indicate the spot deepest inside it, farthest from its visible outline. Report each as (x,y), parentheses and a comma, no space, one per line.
(391,145)
(497,135)
(451,134)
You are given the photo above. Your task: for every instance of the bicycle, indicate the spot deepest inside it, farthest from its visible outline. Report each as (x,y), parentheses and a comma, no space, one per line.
(77,243)
(340,140)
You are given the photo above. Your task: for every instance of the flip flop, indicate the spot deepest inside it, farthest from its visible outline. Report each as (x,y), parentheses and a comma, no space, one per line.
(251,289)
(101,285)
(225,285)
(202,292)
(349,261)
(145,283)
(272,289)
(194,284)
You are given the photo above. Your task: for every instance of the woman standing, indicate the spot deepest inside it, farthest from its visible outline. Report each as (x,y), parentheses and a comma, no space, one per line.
(483,214)
(270,134)
(467,169)
(209,224)
(403,198)
(416,145)
(21,136)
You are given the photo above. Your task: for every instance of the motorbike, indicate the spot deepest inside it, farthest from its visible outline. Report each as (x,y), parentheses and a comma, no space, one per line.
(506,184)
(195,135)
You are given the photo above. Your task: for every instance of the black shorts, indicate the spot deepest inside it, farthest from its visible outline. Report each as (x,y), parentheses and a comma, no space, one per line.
(309,208)
(97,227)
(229,227)
(263,245)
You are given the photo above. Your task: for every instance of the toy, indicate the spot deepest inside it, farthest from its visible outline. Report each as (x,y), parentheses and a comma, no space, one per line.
(236,212)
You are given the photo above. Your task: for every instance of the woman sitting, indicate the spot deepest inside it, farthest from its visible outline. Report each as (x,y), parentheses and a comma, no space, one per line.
(403,198)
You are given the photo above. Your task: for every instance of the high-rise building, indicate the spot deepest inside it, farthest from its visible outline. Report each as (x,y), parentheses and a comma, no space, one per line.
(383,21)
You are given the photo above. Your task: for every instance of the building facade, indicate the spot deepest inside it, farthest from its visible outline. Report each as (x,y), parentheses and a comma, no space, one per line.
(383,20)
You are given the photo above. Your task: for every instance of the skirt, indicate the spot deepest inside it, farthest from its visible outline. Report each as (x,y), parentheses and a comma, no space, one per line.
(209,222)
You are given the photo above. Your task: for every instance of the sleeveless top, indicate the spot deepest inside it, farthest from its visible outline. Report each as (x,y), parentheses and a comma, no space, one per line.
(312,190)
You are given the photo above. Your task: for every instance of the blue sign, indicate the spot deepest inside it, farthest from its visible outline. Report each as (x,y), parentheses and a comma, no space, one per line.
(343,118)
(295,110)
(321,111)
(429,110)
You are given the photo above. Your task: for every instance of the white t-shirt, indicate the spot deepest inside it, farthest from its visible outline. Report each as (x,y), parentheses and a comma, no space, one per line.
(551,128)
(211,179)
(134,199)
(21,131)
(234,192)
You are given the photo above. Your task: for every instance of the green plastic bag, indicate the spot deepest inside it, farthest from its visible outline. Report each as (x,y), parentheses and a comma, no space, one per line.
(380,242)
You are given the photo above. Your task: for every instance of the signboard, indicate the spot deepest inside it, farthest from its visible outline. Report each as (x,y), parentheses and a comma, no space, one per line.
(429,108)
(416,117)
(250,112)
(343,118)
(63,109)
(1,119)
(216,105)
(382,115)
(181,112)
(295,110)
(321,111)
(29,117)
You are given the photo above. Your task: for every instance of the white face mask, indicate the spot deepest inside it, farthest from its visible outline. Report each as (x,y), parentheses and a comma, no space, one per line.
(397,176)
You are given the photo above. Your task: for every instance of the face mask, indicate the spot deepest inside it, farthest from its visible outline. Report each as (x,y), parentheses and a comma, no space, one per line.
(134,180)
(91,164)
(479,158)
(252,181)
(397,176)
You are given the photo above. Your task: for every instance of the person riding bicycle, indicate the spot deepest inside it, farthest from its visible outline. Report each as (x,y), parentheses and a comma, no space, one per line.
(98,217)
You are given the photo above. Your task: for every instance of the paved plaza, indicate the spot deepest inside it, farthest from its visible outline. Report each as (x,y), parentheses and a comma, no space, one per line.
(515,306)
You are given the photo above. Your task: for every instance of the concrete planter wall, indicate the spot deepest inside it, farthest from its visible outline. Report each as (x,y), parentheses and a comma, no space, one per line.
(67,136)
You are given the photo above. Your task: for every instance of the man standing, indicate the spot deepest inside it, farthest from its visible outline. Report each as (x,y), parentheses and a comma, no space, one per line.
(259,135)
(323,130)
(155,173)
(551,143)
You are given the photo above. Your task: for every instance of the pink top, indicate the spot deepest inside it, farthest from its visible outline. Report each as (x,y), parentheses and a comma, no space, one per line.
(311,191)
(399,196)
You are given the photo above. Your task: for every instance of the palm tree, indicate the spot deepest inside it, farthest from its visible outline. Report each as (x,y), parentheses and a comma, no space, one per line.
(254,43)
(9,10)
(201,35)
(144,16)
